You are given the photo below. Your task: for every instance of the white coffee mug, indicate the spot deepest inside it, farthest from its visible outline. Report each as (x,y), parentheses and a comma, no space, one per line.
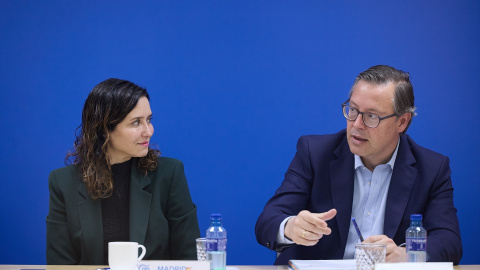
(124,255)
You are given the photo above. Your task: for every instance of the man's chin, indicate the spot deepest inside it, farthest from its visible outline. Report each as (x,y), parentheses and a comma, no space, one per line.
(355,149)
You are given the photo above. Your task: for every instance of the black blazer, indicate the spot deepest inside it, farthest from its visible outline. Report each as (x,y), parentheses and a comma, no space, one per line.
(163,217)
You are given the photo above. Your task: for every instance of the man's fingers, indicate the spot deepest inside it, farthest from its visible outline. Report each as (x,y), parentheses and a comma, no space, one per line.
(394,253)
(315,233)
(307,238)
(328,215)
(307,228)
(317,222)
(376,239)
(319,219)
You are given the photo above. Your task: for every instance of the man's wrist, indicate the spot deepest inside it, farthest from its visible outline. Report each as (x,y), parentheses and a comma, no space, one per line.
(286,237)
(281,237)
(285,231)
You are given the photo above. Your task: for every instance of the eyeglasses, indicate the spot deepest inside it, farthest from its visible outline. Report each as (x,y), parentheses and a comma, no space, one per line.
(369,119)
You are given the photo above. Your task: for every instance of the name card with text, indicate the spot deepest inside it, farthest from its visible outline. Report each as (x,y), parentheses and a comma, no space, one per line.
(415,266)
(174,265)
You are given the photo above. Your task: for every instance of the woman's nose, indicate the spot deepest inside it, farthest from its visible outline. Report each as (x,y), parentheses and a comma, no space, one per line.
(148,130)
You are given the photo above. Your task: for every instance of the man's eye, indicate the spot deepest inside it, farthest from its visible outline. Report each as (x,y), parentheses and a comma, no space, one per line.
(372,116)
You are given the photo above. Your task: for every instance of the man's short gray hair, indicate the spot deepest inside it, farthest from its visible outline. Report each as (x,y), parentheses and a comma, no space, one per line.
(403,98)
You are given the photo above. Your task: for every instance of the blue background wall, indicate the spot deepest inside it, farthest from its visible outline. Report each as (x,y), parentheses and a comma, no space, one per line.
(233,85)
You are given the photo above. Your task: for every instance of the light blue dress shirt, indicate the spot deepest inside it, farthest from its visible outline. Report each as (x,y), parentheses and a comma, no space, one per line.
(370,191)
(369,200)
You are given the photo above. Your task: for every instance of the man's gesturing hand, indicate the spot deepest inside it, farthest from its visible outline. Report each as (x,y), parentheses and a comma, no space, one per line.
(307,228)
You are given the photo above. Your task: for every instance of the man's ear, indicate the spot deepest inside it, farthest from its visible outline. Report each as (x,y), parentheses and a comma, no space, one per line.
(403,121)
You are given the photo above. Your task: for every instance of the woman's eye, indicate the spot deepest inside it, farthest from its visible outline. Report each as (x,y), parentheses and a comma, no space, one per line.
(135,123)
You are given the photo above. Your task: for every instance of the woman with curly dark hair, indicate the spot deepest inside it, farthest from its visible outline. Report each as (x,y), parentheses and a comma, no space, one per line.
(118,188)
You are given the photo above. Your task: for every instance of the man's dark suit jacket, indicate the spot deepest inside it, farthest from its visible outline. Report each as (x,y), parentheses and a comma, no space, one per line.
(320,178)
(163,217)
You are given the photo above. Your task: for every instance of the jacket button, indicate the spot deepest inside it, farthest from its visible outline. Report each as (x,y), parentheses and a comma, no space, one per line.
(268,244)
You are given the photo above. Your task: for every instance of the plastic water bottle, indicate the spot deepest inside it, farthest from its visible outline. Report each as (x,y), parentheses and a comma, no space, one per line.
(416,240)
(216,243)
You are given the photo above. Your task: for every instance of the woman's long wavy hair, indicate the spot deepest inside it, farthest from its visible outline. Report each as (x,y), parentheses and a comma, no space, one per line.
(108,104)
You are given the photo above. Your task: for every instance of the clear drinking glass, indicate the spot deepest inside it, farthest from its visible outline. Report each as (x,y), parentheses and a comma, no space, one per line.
(201,249)
(366,255)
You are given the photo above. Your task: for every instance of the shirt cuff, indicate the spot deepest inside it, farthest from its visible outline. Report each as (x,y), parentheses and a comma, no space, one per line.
(281,239)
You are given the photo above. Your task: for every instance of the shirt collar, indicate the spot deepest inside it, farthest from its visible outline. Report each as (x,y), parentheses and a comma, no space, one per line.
(359,163)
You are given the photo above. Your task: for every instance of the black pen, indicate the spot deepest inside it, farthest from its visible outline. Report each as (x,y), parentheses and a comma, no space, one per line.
(357,229)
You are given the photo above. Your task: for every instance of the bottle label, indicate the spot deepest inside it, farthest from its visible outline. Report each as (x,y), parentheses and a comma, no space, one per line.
(216,244)
(416,244)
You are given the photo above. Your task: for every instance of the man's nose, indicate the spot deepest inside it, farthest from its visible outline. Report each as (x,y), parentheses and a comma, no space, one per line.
(358,123)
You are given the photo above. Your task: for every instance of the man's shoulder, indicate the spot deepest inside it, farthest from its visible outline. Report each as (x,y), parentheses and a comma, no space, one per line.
(325,141)
(327,146)
(423,159)
(420,151)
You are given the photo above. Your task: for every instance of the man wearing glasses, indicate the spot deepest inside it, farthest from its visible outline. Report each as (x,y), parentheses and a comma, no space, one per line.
(371,171)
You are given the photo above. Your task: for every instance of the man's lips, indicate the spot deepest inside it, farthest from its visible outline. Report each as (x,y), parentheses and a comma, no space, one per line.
(359,138)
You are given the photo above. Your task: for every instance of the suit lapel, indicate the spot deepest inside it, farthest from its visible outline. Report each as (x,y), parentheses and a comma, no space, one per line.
(140,202)
(90,214)
(341,171)
(401,185)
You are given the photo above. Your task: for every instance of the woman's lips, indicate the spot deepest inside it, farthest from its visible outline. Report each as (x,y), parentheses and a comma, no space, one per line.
(144,143)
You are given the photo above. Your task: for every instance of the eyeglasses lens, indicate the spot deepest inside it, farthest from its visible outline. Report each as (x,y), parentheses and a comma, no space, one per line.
(369,120)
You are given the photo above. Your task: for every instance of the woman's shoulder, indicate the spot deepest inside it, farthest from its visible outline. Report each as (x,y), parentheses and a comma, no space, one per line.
(65,180)
(168,162)
(69,169)
(167,166)
(67,172)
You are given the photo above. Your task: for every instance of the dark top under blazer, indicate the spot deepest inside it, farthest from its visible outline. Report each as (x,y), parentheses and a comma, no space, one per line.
(320,178)
(163,217)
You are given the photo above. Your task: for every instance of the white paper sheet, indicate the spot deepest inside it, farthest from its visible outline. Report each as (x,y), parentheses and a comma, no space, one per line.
(415,266)
(323,264)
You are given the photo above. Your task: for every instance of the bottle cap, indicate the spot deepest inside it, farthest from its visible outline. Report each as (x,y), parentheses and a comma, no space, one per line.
(215,215)
(416,217)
